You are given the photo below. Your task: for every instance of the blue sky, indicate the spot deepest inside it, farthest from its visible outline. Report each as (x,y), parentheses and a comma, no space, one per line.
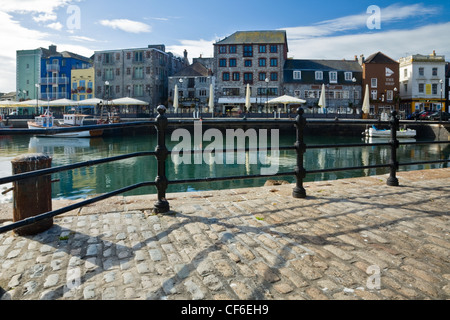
(316,30)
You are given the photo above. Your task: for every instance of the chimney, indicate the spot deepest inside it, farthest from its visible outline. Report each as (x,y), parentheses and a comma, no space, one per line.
(52,49)
(361,59)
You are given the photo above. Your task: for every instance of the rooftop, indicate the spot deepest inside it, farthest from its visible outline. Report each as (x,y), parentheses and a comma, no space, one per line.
(323,65)
(255,37)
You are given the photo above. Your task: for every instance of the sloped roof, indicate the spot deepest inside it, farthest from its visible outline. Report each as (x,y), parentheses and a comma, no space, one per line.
(379,58)
(323,65)
(255,37)
(194,70)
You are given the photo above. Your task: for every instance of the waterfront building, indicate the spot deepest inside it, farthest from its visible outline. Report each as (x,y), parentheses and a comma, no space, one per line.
(56,73)
(304,79)
(193,84)
(422,80)
(83,84)
(140,73)
(381,75)
(254,58)
(447,84)
(28,73)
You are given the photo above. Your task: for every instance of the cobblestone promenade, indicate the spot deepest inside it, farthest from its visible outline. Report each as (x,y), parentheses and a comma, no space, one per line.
(350,239)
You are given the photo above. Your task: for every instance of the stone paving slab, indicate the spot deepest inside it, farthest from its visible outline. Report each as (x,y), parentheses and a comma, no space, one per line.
(352,239)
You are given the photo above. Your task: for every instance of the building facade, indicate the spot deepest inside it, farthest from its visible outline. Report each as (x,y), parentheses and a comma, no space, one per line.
(28,73)
(140,73)
(193,84)
(254,58)
(304,79)
(381,75)
(422,83)
(56,73)
(83,84)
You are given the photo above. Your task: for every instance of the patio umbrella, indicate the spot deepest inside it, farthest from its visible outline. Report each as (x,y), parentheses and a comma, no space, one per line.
(247,98)
(129,102)
(286,100)
(31,103)
(175,99)
(90,102)
(366,104)
(211,99)
(323,100)
(62,103)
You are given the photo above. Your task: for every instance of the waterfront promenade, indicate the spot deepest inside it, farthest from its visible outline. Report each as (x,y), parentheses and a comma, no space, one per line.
(350,239)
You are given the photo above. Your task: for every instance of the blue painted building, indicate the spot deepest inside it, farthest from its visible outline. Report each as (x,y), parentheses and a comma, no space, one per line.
(56,72)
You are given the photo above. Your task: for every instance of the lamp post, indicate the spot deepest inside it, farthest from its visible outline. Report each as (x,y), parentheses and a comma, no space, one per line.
(354,92)
(37,98)
(440,111)
(107,93)
(267,94)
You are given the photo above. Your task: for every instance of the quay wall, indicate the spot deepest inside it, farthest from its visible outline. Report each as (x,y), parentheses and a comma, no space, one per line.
(424,130)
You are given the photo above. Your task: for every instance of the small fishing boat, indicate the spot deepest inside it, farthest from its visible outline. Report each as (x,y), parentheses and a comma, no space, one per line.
(47,121)
(402,133)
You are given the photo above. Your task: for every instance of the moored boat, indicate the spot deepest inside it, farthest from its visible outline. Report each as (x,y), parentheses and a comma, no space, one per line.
(47,121)
(402,133)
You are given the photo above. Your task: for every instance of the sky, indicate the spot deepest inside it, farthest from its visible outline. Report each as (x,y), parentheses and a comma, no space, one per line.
(327,29)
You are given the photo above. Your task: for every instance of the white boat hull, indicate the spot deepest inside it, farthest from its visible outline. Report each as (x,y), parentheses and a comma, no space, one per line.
(373,133)
(79,134)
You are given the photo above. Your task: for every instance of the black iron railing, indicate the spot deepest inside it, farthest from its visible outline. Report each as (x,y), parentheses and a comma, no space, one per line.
(161,153)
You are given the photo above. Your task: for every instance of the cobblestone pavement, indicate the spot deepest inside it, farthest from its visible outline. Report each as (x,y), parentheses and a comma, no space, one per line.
(350,239)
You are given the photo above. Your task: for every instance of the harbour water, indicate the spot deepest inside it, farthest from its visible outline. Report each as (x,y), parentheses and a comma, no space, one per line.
(90,181)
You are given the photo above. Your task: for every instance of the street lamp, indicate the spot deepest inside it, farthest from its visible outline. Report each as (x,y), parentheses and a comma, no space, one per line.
(267,94)
(37,96)
(440,111)
(354,92)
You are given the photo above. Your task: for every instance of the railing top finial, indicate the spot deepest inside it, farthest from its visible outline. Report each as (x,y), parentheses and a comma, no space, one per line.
(161,109)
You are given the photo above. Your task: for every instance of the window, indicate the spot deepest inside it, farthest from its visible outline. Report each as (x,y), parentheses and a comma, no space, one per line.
(222,63)
(138,90)
(374,94)
(226,76)
(236,76)
(269,91)
(273,49)
(274,76)
(248,51)
(405,87)
(138,56)
(222,49)
(389,95)
(148,70)
(233,62)
(297,75)
(109,74)
(262,62)
(262,48)
(128,55)
(435,71)
(248,63)
(202,92)
(233,49)
(117,56)
(248,77)
(108,58)
(348,76)
(139,73)
(274,62)
(333,77)
(421,71)
(117,89)
(374,83)
(262,76)
(319,75)
(435,88)
(128,71)
(118,72)
(421,88)
(231,91)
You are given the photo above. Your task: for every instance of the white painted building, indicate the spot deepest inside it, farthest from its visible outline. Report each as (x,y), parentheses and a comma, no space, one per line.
(422,82)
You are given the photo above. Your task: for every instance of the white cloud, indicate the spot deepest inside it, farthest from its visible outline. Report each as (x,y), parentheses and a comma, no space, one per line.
(394,43)
(33,6)
(195,48)
(127,25)
(55,26)
(45,17)
(389,14)
(83,39)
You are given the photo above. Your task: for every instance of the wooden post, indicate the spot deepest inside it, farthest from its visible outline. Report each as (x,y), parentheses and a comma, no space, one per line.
(32,196)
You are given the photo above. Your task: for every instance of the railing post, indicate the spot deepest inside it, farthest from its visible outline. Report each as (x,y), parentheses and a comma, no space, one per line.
(300,172)
(32,196)
(395,125)
(162,205)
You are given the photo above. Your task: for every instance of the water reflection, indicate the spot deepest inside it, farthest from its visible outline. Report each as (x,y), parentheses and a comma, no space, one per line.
(84,182)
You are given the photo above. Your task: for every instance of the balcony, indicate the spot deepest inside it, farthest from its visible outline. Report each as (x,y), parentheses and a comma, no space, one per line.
(54,96)
(53,68)
(54,81)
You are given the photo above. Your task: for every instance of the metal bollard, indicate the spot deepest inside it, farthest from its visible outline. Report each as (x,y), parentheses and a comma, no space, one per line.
(32,196)
(300,172)
(395,125)
(162,205)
